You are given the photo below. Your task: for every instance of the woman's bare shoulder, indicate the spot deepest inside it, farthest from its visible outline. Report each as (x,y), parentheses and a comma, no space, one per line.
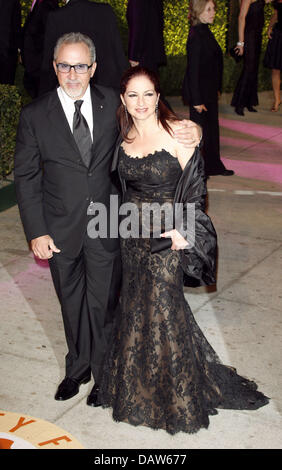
(181,151)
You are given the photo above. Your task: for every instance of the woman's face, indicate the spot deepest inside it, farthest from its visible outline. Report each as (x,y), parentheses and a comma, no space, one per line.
(207,16)
(140,97)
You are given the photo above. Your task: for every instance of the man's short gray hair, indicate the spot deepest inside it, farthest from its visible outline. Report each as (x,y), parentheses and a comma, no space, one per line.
(75,38)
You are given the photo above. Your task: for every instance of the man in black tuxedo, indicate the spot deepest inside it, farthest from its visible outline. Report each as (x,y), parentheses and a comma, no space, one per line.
(97,21)
(145,42)
(10,39)
(56,182)
(60,172)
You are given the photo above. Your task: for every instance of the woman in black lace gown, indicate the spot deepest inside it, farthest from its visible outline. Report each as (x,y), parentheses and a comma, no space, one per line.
(160,370)
(250,25)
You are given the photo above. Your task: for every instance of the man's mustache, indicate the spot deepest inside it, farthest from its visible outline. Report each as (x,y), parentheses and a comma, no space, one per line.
(73,82)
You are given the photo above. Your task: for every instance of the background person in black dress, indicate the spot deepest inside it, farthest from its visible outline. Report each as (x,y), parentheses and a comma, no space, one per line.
(273,54)
(250,25)
(202,82)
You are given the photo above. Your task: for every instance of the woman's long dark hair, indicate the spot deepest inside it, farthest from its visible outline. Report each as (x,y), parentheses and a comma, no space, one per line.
(125,120)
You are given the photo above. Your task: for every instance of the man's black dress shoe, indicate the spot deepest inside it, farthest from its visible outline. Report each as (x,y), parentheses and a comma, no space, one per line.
(93,398)
(69,387)
(252,109)
(239,110)
(227,172)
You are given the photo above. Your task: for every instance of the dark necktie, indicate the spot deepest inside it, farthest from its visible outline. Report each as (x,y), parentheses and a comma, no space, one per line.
(82,134)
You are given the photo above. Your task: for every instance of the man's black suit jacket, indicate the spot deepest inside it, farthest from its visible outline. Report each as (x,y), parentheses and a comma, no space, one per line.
(97,21)
(145,22)
(203,77)
(53,185)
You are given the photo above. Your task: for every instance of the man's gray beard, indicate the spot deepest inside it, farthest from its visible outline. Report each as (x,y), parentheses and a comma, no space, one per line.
(73,96)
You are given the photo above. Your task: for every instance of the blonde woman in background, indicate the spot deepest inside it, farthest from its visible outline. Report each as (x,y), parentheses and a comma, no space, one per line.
(203,81)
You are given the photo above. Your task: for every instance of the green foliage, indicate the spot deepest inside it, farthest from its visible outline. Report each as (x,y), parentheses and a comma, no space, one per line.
(175,27)
(25,6)
(10,106)
(268,11)
(220,26)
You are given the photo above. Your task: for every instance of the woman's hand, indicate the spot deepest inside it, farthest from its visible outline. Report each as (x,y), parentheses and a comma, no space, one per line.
(269,32)
(239,50)
(200,108)
(178,241)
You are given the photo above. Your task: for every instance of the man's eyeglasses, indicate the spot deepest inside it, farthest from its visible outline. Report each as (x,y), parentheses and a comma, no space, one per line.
(79,68)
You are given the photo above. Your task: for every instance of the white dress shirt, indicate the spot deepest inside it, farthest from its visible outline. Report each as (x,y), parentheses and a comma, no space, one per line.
(69,108)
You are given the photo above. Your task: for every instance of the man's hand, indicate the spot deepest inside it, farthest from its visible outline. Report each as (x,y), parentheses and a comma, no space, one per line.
(189,134)
(133,63)
(200,108)
(43,247)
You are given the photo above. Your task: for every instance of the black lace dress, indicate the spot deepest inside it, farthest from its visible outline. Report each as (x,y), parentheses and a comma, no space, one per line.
(245,94)
(160,370)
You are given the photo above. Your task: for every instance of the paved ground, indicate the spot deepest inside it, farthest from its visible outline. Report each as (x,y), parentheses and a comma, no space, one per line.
(242,316)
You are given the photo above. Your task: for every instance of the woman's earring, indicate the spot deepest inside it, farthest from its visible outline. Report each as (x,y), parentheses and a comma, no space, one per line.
(157,110)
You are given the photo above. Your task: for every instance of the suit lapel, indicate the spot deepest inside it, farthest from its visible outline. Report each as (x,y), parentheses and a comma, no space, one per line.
(98,103)
(116,153)
(58,120)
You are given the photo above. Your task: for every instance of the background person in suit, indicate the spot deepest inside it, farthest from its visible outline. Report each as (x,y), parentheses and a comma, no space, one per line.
(10,39)
(202,82)
(57,181)
(145,42)
(97,21)
(33,43)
